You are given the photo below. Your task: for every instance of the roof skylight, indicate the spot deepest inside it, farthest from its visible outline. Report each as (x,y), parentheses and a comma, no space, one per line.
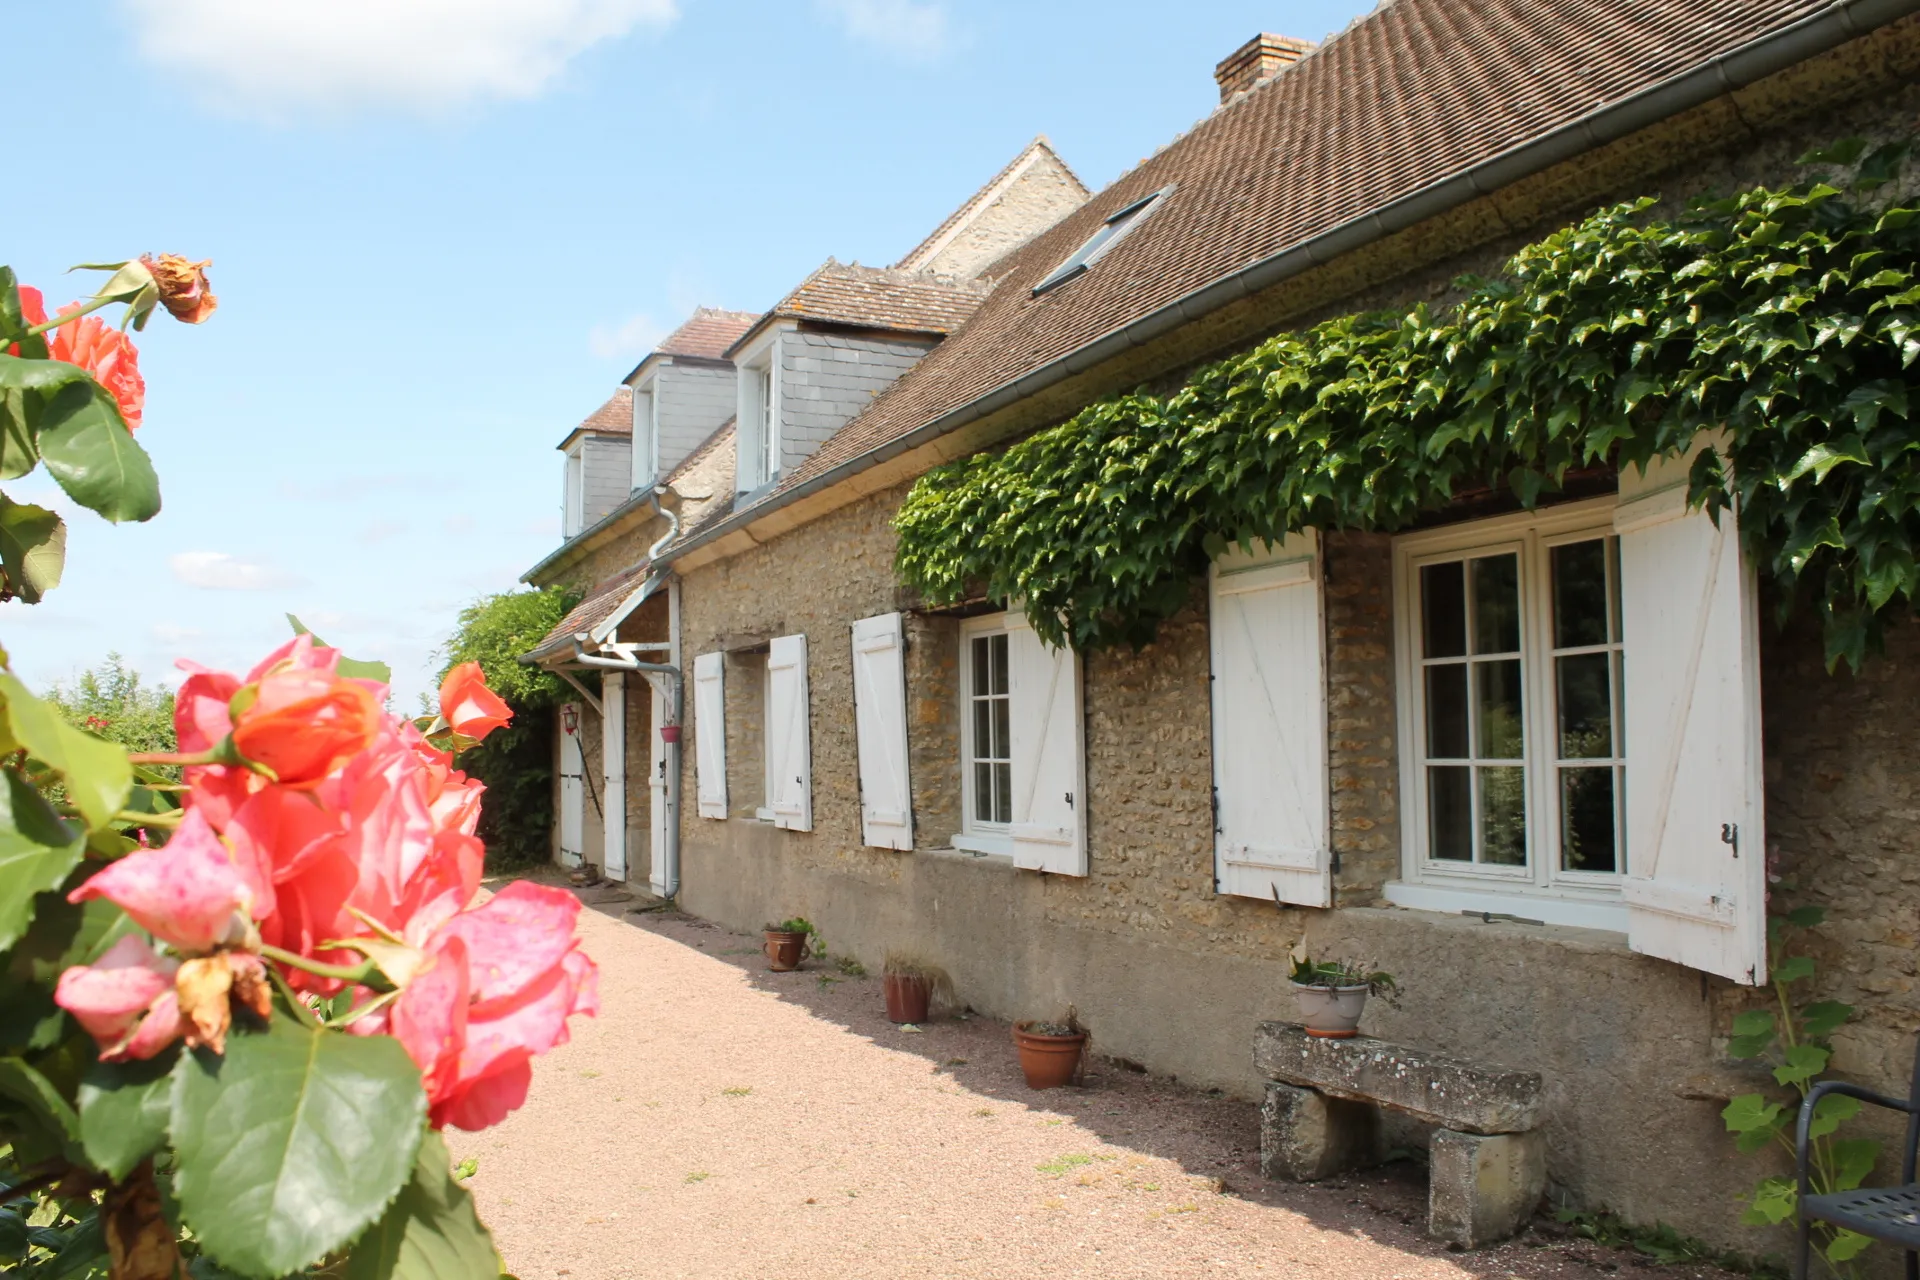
(1108,234)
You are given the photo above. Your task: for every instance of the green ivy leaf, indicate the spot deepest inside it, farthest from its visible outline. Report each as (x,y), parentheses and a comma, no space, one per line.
(293,1143)
(124,1111)
(430,1233)
(33,548)
(1801,1063)
(1830,1113)
(1793,969)
(1822,1018)
(98,774)
(88,449)
(1853,1160)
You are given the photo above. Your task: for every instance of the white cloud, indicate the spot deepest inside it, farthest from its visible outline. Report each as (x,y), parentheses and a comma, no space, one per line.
(218,571)
(917,29)
(281,57)
(380,530)
(627,341)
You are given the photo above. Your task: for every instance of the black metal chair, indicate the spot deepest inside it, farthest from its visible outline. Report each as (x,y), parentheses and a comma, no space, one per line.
(1890,1214)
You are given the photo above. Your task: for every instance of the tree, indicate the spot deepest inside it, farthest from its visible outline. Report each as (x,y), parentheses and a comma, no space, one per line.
(114,701)
(516,763)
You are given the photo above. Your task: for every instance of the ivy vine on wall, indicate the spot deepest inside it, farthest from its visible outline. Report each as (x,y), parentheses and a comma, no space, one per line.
(1790,318)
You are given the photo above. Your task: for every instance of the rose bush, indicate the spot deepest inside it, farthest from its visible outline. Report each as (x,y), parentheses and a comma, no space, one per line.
(235,1009)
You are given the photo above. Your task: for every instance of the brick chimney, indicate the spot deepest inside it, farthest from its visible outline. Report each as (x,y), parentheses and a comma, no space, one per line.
(1258,59)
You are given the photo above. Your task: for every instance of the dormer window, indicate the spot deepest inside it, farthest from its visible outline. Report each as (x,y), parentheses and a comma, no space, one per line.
(574,504)
(646,436)
(1108,234)
(759,442)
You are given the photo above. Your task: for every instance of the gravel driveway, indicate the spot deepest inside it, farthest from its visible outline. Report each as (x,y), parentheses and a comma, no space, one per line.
(718,1120)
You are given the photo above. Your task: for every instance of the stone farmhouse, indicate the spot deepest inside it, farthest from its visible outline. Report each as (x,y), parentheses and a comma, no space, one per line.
(1542,765)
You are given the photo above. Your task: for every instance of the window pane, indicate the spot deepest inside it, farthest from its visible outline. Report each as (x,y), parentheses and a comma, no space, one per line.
(982,676)
(1447,711)
(1619,702)
(1450,812)
(1496,604)
(1579,594)
(1503,816)
(1497,702)
(983,792)
(1586,706)
(999,646)
(1003,793)
(1586,819)
(1002,730)
(1443,601)
(982,729)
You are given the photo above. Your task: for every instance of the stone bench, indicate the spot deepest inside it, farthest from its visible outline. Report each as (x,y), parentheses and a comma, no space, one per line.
(1321,1116)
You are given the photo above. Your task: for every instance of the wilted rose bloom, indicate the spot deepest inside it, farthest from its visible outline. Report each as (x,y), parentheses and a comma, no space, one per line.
(183,286)
(468,706)
(99,348)
(125,1000)
(187,892)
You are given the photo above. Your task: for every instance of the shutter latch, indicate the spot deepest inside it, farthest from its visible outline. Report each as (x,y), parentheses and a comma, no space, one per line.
(1730,835)
(1069,799)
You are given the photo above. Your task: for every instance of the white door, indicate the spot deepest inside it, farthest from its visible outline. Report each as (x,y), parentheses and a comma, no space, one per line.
(1696,840)
(1271,787)
(613,756)
(880,724)
(573,814)
(1049,826)
(658,816)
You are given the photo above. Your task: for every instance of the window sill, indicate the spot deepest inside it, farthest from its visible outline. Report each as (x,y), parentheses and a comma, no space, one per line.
(995,846)
(973,857)
(1580,913)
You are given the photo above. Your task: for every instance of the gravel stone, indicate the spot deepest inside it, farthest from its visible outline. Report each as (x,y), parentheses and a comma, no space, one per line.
(718,1120)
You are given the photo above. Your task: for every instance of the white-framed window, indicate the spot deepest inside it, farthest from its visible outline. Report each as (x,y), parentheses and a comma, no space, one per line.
(1511,686)
(646,435)
(573,506)
(757,441)
(986,733)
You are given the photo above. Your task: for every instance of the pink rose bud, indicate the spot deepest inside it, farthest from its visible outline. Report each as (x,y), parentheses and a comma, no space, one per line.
(187,893)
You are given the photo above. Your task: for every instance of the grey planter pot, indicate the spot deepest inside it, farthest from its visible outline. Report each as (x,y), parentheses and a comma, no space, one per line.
(1330,1012)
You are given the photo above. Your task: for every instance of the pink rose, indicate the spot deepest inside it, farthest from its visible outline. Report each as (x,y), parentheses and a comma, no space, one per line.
(468,706)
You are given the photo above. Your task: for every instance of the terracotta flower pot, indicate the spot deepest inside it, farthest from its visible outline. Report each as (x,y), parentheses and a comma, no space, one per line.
(1048,1061)
(1333,1013)
(785,950)
(907,996)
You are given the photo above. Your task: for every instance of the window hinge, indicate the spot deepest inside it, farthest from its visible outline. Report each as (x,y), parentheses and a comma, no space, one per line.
(1730,836)
(1336,862)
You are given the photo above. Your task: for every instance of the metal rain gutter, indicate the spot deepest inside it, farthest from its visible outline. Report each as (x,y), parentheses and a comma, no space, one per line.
(1815,34)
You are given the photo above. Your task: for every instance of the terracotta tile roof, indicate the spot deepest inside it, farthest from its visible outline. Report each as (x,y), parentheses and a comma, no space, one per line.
(927,249)
(594,610)
(707,333)
(614,418)
(1409,94)
(880,298)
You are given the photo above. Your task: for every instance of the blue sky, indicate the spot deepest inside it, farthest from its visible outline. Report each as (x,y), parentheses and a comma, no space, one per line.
(442,230)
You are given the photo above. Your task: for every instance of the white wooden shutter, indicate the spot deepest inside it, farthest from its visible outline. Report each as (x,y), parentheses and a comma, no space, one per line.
(710,733)
(613,766)
(1696,842)
(789,749)
(880,721)
(1271,788)
(572,796)
(1049,826)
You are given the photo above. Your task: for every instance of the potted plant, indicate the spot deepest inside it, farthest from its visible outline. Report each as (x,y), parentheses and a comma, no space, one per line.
(1332,994)
(910,982)
(1050,1052)
(790,942)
